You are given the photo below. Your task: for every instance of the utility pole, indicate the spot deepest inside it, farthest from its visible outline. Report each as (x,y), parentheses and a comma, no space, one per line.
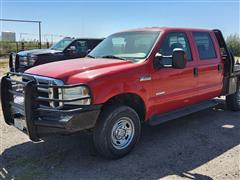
(39,32)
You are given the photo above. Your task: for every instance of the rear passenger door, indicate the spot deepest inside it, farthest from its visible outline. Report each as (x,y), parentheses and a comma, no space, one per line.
(209,65)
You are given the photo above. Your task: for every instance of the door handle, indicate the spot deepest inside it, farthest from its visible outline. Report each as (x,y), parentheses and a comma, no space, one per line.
(195,72)
(219,68)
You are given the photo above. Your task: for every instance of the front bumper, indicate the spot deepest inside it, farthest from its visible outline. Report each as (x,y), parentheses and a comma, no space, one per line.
(40,121)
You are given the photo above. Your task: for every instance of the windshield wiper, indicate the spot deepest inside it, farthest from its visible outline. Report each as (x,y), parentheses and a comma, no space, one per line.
(90,56)
(113,57)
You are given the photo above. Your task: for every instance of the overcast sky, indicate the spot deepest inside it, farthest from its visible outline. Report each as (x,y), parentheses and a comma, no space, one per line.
(100,18)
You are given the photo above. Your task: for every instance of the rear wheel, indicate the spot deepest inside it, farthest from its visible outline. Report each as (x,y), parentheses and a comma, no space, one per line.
(233,100)
(117,131)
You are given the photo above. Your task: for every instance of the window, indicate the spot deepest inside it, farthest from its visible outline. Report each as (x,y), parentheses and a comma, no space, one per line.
(61,45)
(118,45)
(92,43)
(135,45)
(81,46)
(204,45)
(175,40)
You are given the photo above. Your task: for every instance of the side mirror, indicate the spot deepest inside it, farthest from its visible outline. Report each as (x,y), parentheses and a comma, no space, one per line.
(178,58)
(88,51)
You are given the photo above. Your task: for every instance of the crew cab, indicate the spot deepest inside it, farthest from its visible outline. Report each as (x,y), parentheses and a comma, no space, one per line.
(149,75)
(67,48)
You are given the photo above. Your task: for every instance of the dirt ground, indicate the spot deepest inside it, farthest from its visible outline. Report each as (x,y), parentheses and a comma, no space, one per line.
(204,145)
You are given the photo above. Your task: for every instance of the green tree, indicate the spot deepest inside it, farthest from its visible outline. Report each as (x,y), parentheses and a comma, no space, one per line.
(233,43)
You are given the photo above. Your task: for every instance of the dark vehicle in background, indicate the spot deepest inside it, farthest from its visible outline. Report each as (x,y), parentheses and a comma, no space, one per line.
(67,48)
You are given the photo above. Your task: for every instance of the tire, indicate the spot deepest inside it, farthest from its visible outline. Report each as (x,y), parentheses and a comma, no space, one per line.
(117,131)
(233,100)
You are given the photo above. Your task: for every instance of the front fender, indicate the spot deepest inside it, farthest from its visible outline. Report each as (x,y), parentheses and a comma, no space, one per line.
(105,90)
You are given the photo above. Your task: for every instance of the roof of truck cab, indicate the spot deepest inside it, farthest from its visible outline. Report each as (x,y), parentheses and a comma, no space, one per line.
(89,39)
(166,29)
(85,38)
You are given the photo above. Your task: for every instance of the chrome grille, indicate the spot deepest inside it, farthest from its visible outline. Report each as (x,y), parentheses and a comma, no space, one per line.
(13,60)
(53,93)
(18,96)
(45,92)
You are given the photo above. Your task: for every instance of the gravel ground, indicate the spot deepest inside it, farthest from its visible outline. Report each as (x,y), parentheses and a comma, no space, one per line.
(204,145)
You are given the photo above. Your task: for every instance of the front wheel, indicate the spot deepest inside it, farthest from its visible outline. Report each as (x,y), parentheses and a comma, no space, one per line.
(117,131)
(233,100)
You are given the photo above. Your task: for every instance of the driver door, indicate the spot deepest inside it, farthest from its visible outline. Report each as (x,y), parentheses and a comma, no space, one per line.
(174,88)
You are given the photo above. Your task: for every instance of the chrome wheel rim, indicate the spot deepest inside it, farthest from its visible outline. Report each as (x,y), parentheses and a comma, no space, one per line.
(122,133)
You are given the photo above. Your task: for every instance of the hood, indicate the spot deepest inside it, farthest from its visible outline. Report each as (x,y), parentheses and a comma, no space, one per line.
(65,69)
(37,52)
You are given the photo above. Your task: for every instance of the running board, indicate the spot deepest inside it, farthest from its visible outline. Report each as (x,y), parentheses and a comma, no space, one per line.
(158,119)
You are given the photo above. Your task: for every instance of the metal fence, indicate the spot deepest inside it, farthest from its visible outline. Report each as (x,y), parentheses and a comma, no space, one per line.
(8,47)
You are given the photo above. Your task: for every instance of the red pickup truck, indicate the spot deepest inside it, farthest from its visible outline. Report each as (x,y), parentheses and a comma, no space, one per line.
(149,75)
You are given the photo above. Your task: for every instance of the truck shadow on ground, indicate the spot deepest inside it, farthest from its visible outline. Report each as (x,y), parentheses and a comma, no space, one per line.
(175,147)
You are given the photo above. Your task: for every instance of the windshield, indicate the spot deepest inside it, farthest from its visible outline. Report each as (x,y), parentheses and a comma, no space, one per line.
(126,45)
(61,45)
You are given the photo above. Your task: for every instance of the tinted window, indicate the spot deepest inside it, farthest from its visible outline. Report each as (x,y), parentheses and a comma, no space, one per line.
(175,40)
(81,46)
(204,45)
(93,43)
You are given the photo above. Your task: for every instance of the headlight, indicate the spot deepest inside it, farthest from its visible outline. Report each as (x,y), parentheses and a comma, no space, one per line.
(32,60)
(77,93)
(23,60)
